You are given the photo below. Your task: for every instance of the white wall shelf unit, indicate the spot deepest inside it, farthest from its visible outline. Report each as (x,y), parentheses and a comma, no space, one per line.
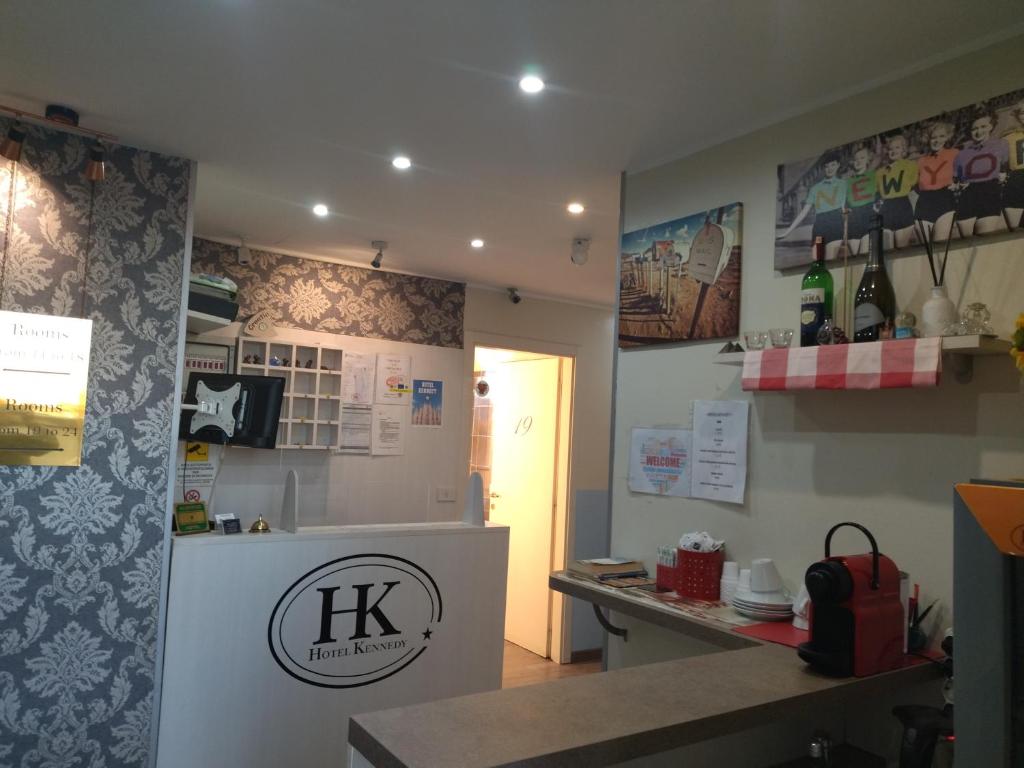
(311,408)
(199,322)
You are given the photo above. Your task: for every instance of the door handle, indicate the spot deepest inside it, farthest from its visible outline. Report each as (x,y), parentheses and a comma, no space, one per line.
(495,495)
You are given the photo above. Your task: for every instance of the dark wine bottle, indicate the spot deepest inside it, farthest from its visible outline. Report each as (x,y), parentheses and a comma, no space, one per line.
(815,296)
(874,306)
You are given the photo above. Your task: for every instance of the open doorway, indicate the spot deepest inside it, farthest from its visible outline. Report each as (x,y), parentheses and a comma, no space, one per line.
(520,445)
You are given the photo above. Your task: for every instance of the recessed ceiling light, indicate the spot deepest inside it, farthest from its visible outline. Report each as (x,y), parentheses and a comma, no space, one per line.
(401,162)
(320,210)
(575,208)
(531,84)
(476,242)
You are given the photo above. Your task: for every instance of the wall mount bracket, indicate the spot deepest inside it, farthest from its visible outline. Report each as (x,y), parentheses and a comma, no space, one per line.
(608,627)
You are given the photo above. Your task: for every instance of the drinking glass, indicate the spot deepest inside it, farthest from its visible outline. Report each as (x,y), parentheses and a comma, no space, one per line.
(781,337)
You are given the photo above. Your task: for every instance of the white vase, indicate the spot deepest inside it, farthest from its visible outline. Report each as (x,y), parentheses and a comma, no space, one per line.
(937,313)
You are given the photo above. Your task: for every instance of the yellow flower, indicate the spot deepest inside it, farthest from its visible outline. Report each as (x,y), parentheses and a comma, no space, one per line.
(1020,320)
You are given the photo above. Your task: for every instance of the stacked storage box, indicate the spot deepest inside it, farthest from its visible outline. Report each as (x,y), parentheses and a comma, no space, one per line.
(213,295)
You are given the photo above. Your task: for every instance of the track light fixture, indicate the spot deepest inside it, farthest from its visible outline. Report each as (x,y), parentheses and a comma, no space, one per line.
(67,118)
(96,169)
(380,245)
(11,146)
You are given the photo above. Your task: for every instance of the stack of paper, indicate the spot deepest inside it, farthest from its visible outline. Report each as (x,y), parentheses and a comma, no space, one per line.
(604,568)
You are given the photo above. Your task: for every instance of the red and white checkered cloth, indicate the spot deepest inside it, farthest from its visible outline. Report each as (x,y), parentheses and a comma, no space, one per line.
(868,365)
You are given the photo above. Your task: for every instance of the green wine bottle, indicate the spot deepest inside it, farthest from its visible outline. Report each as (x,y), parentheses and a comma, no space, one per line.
(815,297)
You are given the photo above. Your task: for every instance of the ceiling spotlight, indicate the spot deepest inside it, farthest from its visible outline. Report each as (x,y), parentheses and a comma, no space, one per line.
(96,169)
(402,163)
(476,242)
(380,245)
(513,295)
(575,208)
(531,84)
(11,146)
(320,210)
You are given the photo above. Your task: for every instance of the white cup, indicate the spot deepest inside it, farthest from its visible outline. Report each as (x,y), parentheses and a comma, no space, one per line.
(730,570)
(727,590)
(764,576)
(744,581)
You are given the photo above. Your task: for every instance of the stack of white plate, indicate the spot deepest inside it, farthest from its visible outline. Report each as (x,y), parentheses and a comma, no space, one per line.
(764,606)
(760,594)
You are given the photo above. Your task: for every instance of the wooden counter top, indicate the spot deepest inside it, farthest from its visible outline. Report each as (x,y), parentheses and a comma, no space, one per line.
(606,718)
(635,603)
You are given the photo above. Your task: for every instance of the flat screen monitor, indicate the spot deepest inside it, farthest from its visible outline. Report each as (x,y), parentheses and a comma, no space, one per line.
(232,409)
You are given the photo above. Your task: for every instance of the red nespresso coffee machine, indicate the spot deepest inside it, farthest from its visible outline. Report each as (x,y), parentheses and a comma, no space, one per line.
(856,614)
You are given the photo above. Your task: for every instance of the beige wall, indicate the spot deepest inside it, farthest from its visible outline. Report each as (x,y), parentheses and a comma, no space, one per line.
(586,333)
(886,459)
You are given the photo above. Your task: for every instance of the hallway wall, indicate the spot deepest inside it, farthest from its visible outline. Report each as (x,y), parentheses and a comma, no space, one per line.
(80,547)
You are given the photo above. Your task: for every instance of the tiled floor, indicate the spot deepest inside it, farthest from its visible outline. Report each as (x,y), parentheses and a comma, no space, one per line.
(525,668)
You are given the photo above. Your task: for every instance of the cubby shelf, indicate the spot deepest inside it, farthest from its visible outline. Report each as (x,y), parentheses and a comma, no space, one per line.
(311,407)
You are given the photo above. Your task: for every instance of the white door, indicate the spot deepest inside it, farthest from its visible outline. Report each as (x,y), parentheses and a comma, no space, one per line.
(524,440)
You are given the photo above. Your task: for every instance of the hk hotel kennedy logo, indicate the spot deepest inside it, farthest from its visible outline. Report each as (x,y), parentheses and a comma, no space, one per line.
(354,621)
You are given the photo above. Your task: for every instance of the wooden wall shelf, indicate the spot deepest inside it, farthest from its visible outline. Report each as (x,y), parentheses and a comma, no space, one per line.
(954,345)
(962,349)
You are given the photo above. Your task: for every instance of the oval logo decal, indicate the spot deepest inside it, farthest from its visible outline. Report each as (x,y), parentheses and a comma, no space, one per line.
(354,621)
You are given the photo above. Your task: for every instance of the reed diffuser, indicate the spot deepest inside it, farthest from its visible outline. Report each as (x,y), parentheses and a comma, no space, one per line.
(938,312)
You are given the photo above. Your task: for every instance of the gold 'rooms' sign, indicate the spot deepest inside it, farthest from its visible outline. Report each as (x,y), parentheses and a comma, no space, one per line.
(44,368)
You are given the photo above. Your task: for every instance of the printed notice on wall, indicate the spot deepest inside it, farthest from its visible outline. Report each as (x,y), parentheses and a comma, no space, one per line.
(427,402)
(197,470)
(44,370)
(393,382)
(659,461)
(355,429)
(388,432)
(720,449)
(357,378)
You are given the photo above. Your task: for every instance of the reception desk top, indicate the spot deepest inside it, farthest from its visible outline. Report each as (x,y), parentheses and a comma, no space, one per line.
(611,717)
(318,532)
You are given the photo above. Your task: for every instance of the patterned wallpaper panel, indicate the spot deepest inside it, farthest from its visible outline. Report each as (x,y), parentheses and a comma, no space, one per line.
(80,548)
(319,296)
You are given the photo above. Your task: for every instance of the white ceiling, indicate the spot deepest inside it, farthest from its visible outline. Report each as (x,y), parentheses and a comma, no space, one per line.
(287,103)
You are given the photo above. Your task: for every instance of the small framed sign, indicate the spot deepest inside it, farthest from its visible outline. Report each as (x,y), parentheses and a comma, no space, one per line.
(229,523)
(190,517)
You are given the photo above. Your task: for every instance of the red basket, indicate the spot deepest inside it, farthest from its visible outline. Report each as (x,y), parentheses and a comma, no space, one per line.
(665,577)
(699,574)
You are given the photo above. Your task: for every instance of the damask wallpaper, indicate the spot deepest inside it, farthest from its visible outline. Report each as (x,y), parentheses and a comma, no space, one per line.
(319,296)
(80,548)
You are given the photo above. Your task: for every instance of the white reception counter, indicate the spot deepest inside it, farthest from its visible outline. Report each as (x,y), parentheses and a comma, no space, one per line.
(275,640)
